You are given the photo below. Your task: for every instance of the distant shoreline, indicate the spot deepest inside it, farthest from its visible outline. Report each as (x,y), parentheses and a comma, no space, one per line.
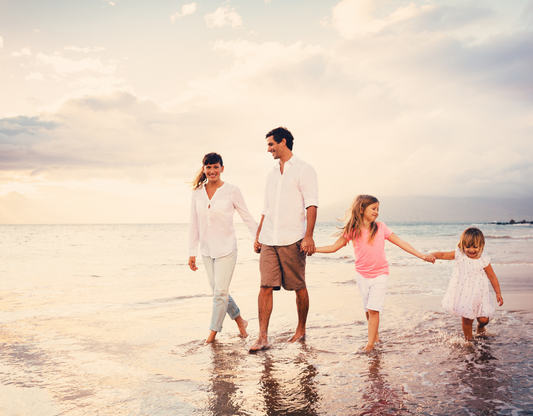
(512,222)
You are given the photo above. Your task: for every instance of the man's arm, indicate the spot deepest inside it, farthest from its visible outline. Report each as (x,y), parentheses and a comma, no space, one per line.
(308,244)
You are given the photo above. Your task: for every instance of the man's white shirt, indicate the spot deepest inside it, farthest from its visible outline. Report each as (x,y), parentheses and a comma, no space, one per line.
(287,196)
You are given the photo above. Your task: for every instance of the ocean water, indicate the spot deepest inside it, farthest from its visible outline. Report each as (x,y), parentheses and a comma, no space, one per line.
(109,320)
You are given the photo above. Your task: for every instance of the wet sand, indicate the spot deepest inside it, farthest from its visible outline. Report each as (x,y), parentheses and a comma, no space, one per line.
(109,323)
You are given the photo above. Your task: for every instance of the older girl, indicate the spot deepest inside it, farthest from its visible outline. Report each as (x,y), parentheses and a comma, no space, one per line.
(212,207)
(372,270)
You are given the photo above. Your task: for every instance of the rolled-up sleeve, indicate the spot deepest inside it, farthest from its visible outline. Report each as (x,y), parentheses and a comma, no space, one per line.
(265,202)
(309,187)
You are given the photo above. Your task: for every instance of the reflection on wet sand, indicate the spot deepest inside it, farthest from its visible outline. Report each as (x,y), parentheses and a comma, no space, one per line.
(286,395)
(477,384)
(379,397)
(224,398)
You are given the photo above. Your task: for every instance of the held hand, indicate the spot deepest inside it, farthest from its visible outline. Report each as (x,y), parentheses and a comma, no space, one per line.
(430,258)
(308,246)
(192,263)
(499,299)
(257,246)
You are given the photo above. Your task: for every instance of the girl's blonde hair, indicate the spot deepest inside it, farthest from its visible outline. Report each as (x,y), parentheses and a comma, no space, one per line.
(353,218)
(209,159)
(472,237)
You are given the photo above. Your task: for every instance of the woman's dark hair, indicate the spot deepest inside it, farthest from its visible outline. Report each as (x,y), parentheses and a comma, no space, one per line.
(209,159)
(282,133)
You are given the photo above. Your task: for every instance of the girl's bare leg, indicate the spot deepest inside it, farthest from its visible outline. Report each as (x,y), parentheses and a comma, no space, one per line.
(373,325)
(467,328)
(481,324)
(211,337)
(242,324)
(376,340)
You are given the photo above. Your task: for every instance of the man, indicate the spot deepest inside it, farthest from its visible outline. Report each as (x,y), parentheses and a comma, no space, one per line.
(284,237)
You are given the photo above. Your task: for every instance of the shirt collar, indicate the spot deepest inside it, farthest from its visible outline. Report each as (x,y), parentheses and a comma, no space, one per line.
(290,162)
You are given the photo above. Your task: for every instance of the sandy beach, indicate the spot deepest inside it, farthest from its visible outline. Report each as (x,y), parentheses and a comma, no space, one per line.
(109,320)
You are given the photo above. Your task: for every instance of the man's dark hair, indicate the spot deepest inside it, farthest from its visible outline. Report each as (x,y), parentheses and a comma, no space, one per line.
(281,133)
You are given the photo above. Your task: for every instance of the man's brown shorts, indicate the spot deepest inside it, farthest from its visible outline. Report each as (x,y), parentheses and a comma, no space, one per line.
(282,266)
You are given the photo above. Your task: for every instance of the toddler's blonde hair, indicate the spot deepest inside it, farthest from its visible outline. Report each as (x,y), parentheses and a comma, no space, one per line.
(472,237)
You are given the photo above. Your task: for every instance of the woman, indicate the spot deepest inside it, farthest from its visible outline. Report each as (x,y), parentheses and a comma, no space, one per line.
(213,205)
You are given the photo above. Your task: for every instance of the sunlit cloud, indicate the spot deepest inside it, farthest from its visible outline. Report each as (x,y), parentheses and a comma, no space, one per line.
(186,9)
(65,66)
(22,52)
(84,50)
(35,76)
(224,16)
(398,97)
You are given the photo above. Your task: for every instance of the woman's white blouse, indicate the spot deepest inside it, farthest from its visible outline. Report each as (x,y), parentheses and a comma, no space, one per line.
(211,222)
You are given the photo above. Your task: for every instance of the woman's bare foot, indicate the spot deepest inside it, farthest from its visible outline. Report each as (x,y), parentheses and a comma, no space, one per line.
(242,324)
(211,337)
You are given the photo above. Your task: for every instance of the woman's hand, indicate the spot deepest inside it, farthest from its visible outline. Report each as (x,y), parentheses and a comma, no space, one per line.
(257,246)
(192,263)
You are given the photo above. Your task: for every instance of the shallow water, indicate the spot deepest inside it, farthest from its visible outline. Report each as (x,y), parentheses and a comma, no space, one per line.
(109,320)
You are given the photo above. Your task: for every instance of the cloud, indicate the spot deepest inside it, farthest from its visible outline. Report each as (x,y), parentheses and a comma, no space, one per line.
(186,9)
(224,16)
(35,76)
(363,17)
(14,201)
(12,126)
(66,66)
(407,105)
(84,50)
(23,51)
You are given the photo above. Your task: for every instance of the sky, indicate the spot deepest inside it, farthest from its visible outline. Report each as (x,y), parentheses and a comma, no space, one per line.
(108,106)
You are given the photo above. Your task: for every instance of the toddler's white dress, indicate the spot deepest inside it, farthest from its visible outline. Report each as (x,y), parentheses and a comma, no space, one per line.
(468,293)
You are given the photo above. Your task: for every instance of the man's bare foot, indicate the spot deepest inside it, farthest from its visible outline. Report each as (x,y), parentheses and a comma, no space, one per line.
(297,336)
(260,345)
(242,324)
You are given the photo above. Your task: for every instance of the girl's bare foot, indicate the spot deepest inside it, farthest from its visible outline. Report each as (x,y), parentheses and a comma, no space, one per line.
(368,348)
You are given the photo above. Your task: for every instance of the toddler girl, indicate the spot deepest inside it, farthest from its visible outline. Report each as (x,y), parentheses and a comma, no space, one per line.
(371,267)
(468,294)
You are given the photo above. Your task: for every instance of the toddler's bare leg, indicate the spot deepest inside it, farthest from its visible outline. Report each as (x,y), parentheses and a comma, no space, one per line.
(481,324)
(467,328)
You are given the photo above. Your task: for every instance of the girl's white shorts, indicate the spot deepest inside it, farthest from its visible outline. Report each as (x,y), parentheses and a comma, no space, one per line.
(372,291)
